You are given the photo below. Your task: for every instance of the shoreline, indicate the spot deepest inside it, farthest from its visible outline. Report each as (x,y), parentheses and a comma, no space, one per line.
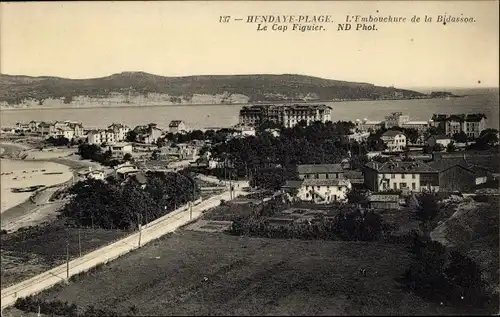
(32,209)
(12,108)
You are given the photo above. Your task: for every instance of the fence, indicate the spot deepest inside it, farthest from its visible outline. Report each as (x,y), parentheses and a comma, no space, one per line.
(150,232)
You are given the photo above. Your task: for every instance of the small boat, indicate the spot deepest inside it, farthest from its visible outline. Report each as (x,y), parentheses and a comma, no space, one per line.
(26,189)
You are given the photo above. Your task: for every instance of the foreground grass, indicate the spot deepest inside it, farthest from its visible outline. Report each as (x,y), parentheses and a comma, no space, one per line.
(194,273)
(32,251)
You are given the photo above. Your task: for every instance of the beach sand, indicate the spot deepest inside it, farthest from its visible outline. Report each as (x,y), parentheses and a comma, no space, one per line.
(16,174)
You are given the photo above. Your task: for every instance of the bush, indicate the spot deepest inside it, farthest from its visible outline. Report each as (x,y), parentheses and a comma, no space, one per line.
(428,207)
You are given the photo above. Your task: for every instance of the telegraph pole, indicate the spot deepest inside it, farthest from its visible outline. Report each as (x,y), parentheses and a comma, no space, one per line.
(67,261)
(140,229)
(79,242)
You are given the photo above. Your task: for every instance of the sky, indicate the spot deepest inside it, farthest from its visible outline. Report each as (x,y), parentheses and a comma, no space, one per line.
(97,39)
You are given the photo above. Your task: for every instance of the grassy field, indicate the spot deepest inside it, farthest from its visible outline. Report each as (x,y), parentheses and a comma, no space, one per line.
(195,273)
(29,252)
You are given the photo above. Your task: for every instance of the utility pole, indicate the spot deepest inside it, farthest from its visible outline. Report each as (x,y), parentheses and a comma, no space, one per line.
(140,229)
(67,261)
(79,242)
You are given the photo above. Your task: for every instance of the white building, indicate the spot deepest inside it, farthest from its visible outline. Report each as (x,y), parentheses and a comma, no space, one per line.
(321,190)
(366,125)
(120,131)
(396,119)
(394,140)
(439,139)
(94,137)
(177,126)
(120,149)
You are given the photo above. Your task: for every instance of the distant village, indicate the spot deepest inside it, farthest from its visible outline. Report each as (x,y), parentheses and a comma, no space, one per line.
(433,143)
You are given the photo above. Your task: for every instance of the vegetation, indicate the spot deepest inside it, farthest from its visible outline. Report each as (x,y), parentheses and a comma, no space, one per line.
(348,224)
(112,205)
(58,308)
(443,275)
(487,139)
(59,141)
(94,152)
(15,89)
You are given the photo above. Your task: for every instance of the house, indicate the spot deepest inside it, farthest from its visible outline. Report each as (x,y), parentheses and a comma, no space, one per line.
(120,131)
(120,149)
(93,174)
(394,140)
(396,119)
(33,125)
(244,131)
(94,137)
(148,133)
(471,124)
(383,201)
(407,175)
(177,126)
(355,177)
(454,174)
(366,125)
(77,128)
(320,171)
(324,190)
(287,115)
(44,128)
(356,136)
(438,139)
(22,126)
(123,170)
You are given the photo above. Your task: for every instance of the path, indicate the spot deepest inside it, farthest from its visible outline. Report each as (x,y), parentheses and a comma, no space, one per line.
(154,230)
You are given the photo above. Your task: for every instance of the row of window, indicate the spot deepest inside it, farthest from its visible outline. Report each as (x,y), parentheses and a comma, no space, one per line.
(318,187)
(413,176)
(401,186)
(334,197)
(316,176)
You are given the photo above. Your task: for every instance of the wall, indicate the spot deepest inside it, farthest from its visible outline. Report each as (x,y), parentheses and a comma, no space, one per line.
(328,192)
(456,178)
(398,179)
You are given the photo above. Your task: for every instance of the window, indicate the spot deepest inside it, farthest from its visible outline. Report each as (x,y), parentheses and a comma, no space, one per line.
(307,187)
(393,175)
(307,195)
(395,185)
(413,176)
(327,187)
(327,176)
(402,185)
(413,186)
(317,187)
(403,176)
(317,175)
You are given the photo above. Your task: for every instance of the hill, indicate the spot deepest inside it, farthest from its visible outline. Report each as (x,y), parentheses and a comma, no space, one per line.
(16,90)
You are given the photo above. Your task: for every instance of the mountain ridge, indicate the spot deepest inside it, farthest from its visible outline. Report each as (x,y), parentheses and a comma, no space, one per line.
(18,89)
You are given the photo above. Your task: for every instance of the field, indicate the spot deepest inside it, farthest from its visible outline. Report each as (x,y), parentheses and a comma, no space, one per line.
(31,251)
(197,273)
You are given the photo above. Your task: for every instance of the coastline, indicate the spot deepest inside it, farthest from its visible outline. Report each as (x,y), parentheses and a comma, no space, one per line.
(13,108)
(29,208)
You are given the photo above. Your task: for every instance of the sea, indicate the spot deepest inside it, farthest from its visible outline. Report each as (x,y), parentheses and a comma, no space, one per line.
(216,116)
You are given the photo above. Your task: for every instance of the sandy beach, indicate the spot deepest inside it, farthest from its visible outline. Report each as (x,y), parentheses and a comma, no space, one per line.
(18,174)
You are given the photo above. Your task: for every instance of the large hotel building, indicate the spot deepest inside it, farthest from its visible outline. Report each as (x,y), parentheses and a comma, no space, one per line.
(285,115)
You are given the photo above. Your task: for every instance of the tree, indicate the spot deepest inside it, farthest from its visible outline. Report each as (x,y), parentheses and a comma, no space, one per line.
(357,196)
(487,138)
(128,157)
(428,207)
(460,137)
(451,147)
(161,142)
(412,135)
(131,136)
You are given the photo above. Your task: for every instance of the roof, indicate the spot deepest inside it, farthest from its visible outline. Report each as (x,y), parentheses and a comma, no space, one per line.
(416,123)
(439,137)
(326,182)
(392,133)
(401,167)
(384,197)
(352,174)
(175,123)
(445,163)
(292,184)
(140,178)
(319,168)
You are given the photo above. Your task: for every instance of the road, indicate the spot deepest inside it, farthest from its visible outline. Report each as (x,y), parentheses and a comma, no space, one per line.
(152,231)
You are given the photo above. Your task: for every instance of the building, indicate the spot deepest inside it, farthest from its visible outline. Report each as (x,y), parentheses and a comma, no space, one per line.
(394,140)
(356,137)
(77,128)
(33,125)
(366,125)
(120,131)
(420,126)
(471,124)
(120,149)
(383,201)
(396,119)
(412,176)
(148,133)
(438,174)
(322,190)
(177,126)
(244,130)
(320,171)
(442,140)
(93,174)
(94,137)
(284,115)
(44,128)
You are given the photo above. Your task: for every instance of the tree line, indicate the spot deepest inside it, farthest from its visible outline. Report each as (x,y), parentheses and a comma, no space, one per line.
(115,204)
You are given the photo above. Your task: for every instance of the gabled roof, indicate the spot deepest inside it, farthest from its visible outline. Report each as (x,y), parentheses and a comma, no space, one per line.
(439,137)
(392,133)
(326,182)
(175,123)
(319,168)
(445,163)
(292,184)
(401,167)
(352,174)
